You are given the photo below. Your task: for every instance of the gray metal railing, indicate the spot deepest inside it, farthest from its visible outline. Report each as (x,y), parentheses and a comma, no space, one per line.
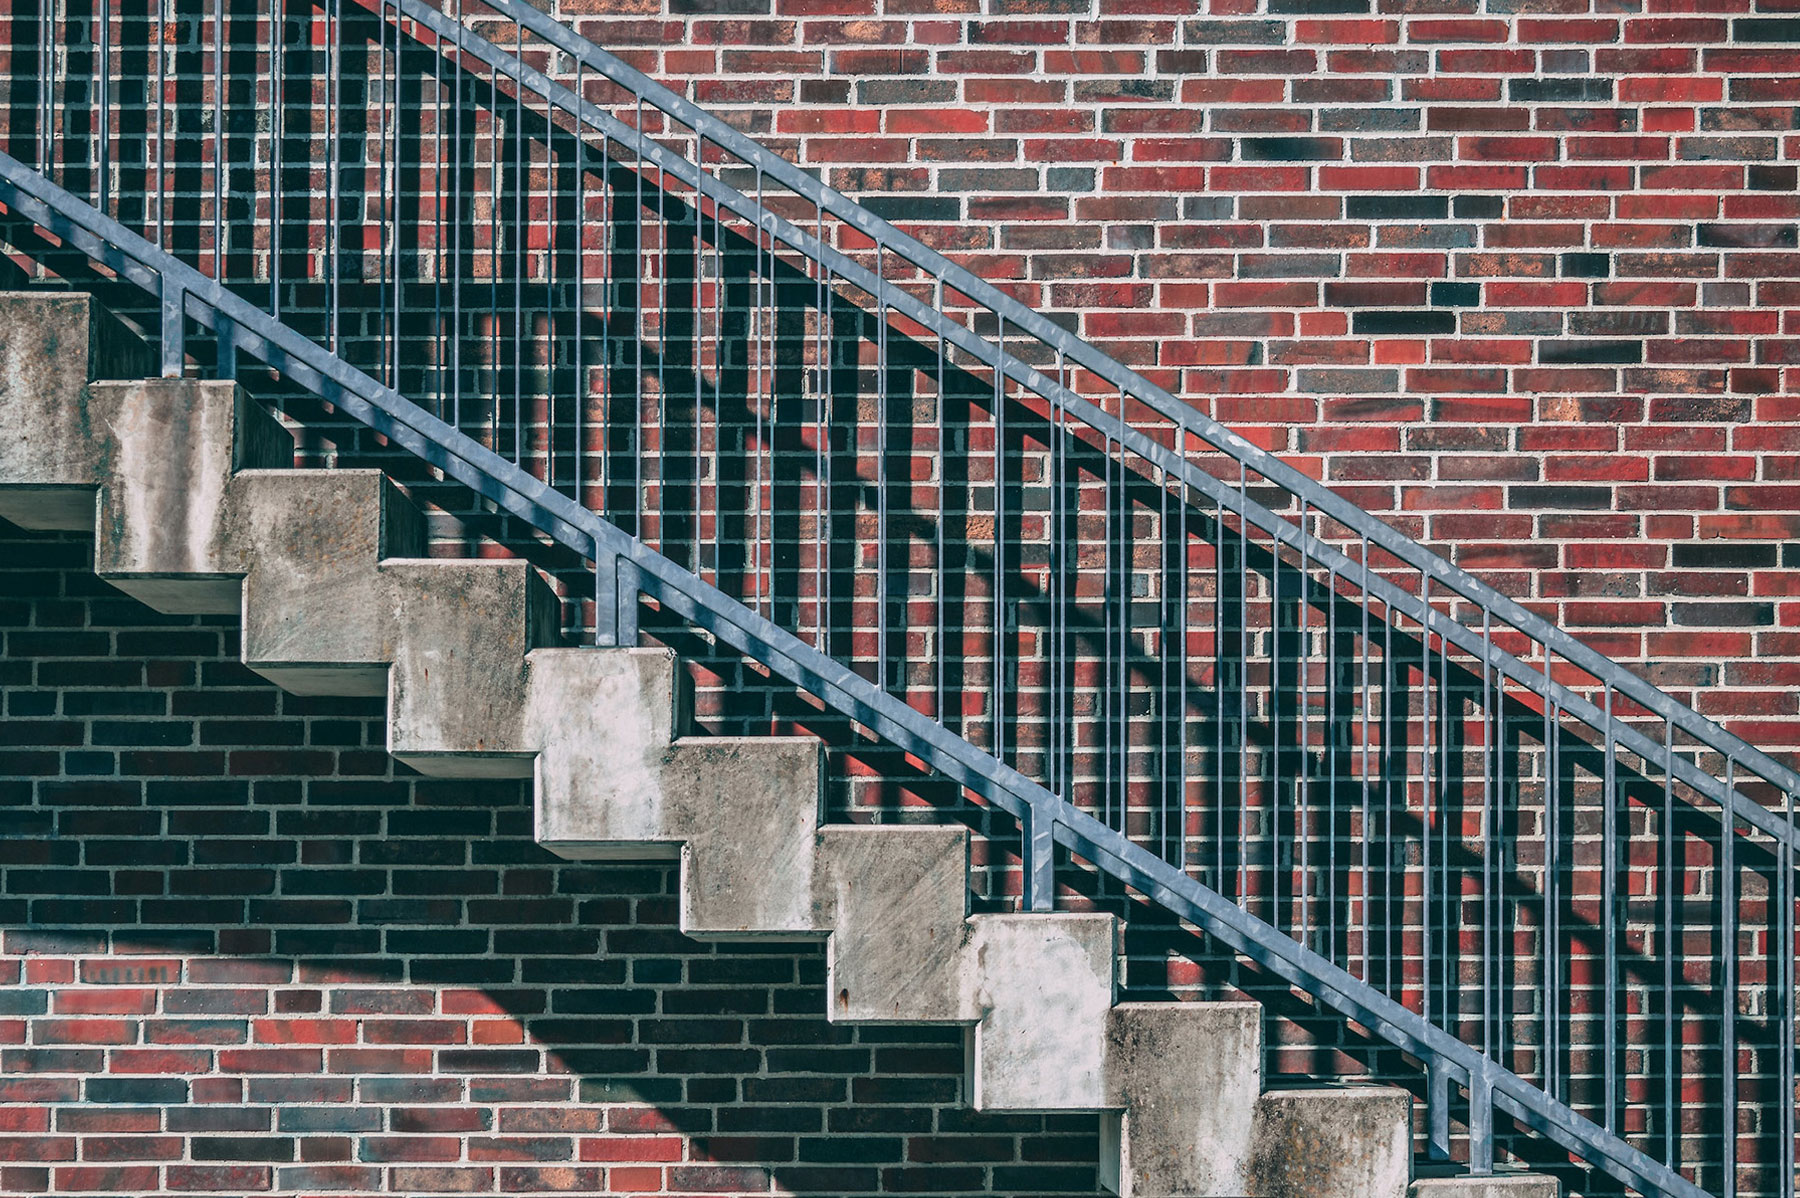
(1158,647)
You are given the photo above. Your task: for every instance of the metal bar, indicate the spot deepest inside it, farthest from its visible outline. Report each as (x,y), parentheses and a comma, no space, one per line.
(998,597)
(277,135)
(333,106)
(881,505)
(174,329)
(1243,689)
(521,230)
(1728,961)
(1303,737)
(1552,897)
(1181,698)
(580,382)
(1366,832)
(1332,738)
(1481,1123)
(161,106)
(415,431)
(1609,880)
(103,105)
(218,164)
(1669,882)
(1425,955)
(1272,799)
(1786,1026)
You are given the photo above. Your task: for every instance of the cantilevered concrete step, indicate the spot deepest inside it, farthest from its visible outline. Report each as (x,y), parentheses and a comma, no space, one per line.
(195,508)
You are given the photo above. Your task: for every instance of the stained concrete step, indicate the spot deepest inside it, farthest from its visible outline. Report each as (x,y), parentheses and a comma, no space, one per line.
(185,485)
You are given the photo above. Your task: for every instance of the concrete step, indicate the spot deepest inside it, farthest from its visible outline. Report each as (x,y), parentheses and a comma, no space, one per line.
(189,489)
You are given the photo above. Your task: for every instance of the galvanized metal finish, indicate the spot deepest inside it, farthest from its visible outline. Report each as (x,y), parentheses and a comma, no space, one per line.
(1154,645)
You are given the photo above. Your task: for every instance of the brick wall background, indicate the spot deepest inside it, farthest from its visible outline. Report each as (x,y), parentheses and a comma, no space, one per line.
(242,951)
(1520,276)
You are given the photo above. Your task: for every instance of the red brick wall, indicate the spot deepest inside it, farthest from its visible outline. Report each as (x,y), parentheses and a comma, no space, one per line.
(1520,278)
(243,952)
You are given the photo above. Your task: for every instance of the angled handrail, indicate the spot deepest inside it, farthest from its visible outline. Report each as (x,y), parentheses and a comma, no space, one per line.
(182,288)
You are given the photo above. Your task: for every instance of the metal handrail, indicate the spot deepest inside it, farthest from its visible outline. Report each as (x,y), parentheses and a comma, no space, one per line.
(243,327)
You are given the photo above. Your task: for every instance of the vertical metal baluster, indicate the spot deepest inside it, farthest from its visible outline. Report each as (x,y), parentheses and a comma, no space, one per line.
(334,101)
(1243,681)
(998,597)
(1785,1025)
(578,143)
(755,397)
(1122,530)
(1272,801)
(1425,796)
(1181,699)
(1552,891)
(218,98)
(521,232)
(103,105)
(441,339)
(1053,655)
(881,480)
(1392,763)
(1160,775)
(943,431)
(495,183)
(608,473)
(456,327)
(1671,898)
(699,376)
(277,130)
(162,108)
(637,339)
(1609,876)
(393,124)
(1302,716)
(1728,952)
(1219,692)
(382,181)
(1106,599)
(720,352)
(828,327)
(1367,836)
(1331,740)
(1488,873)
(822,430)
(1447,930)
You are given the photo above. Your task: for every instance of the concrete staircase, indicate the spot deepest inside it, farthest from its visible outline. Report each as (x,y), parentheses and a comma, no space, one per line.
(194,506)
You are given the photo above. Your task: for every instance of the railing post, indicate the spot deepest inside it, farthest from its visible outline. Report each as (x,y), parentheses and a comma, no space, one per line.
(1437,1111)
(616,585)
(174,329)
(1481,1120)
(225,331)
(1040,857)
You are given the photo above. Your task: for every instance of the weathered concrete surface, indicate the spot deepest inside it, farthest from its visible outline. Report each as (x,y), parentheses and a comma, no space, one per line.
(52,344)
(317,615)
(166,452)
(1187,1076)
(615,783)
(457,689)
(603,720)
(747,811)
(1354,1142)
(896,900)
(1514,1185)
(1040,987)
